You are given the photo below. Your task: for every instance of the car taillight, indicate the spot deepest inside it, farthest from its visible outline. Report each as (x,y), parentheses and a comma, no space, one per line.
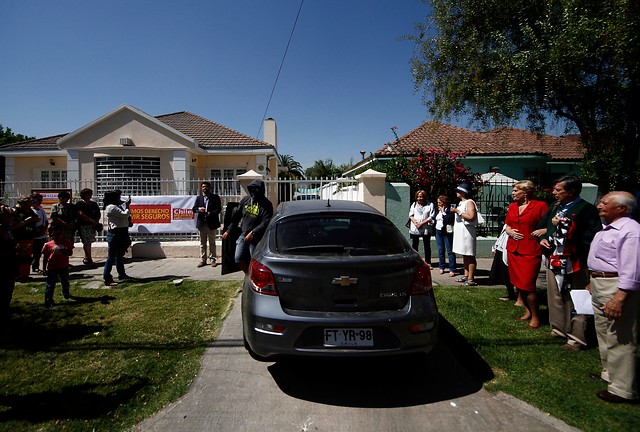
(262,280)
(422,280)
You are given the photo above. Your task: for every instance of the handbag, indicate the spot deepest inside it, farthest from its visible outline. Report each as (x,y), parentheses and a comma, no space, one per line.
(479,219)
(429,230)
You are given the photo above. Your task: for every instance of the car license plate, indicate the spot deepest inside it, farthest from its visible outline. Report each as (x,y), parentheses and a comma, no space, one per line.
(348,337)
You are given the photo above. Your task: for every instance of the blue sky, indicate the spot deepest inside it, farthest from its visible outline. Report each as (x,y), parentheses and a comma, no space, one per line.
(345,82)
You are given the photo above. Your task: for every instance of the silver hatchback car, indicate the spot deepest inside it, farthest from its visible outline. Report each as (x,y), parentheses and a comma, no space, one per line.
(336,278)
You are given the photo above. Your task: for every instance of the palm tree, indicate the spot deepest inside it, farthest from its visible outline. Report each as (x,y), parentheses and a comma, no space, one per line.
(289,167)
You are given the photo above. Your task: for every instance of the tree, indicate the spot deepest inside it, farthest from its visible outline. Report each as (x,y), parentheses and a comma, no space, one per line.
(574,61)
(323,169)
(293,169)
(438,172)
(8,137)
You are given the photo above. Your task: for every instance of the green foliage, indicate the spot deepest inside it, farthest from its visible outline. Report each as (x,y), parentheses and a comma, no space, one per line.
(576,61)
(438,172)
(325,169)
(8,137)
(293,169)
(395,168)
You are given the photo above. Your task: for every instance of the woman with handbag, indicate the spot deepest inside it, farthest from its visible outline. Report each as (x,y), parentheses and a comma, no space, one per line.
(464,233)
(444,235)
(421,215)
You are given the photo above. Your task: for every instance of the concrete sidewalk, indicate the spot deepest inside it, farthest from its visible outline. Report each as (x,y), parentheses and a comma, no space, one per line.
(147,269)
(187,268)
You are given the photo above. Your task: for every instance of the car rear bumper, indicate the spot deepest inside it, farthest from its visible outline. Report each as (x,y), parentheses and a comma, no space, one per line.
(270,331)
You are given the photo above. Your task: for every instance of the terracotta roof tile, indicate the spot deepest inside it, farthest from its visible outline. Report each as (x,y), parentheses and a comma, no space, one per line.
(207,133)
(499,141)
(47,143)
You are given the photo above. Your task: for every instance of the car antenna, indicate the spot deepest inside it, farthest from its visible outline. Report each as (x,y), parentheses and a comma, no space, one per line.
(328,203)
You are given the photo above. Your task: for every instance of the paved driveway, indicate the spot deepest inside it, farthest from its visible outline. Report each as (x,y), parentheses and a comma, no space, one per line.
(441,392)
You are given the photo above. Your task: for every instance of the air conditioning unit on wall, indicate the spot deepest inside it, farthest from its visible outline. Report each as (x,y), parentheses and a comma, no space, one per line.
(126,141)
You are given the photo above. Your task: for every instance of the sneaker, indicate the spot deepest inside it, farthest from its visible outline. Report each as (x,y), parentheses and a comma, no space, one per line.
(202,264)
(49,303)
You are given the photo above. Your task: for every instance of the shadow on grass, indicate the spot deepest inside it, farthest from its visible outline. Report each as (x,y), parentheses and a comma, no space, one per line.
(87,401)
(452,370)
(37,328)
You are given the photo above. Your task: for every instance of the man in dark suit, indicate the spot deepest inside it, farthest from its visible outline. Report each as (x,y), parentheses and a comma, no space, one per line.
(570,226)
(207,211)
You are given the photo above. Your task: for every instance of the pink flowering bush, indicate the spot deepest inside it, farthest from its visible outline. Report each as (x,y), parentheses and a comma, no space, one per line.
(438,172)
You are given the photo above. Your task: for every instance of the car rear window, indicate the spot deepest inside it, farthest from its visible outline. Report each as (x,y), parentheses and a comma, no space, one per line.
(332,235)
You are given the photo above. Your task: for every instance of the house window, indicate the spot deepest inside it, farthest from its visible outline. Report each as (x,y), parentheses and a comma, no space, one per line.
(224,182)
(53,179)
(535,176)
(132,175)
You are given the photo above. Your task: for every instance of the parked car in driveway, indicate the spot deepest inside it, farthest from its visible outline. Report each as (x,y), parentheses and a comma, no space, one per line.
(336,278)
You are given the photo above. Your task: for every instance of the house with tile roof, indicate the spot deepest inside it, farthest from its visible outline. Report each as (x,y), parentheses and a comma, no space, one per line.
(132,150)
(517,153)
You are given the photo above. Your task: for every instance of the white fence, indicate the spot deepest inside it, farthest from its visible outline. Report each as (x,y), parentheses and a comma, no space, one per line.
(228,190)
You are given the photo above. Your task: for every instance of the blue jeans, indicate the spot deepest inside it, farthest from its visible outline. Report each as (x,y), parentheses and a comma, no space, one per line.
(52,279)
(116,246)
(444,242)
(244,250)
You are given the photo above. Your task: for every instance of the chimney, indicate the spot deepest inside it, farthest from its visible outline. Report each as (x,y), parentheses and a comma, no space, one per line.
(271,132)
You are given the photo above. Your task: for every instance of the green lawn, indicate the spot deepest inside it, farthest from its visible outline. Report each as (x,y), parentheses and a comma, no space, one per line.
(107,360)
(111,358)
(529,364)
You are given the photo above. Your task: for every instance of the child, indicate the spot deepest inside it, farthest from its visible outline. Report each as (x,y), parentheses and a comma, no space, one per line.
(56,254)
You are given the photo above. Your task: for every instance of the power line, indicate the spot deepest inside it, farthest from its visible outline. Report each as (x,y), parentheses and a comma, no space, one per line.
(280,69)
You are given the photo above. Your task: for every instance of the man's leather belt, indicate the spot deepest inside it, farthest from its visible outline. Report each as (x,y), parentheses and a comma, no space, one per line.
(597,274)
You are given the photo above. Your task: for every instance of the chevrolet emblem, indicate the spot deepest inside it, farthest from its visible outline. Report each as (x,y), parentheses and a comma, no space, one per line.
(344,281)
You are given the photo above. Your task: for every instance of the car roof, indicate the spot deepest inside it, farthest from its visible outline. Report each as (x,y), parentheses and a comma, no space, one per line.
(289,208)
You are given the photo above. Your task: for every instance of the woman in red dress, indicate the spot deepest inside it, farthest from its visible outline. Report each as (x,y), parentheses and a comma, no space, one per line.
(524,251)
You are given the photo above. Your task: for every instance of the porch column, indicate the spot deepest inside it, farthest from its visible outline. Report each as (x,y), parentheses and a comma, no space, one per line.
(73,171)
(9,178)
(181,172)
(371,189)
